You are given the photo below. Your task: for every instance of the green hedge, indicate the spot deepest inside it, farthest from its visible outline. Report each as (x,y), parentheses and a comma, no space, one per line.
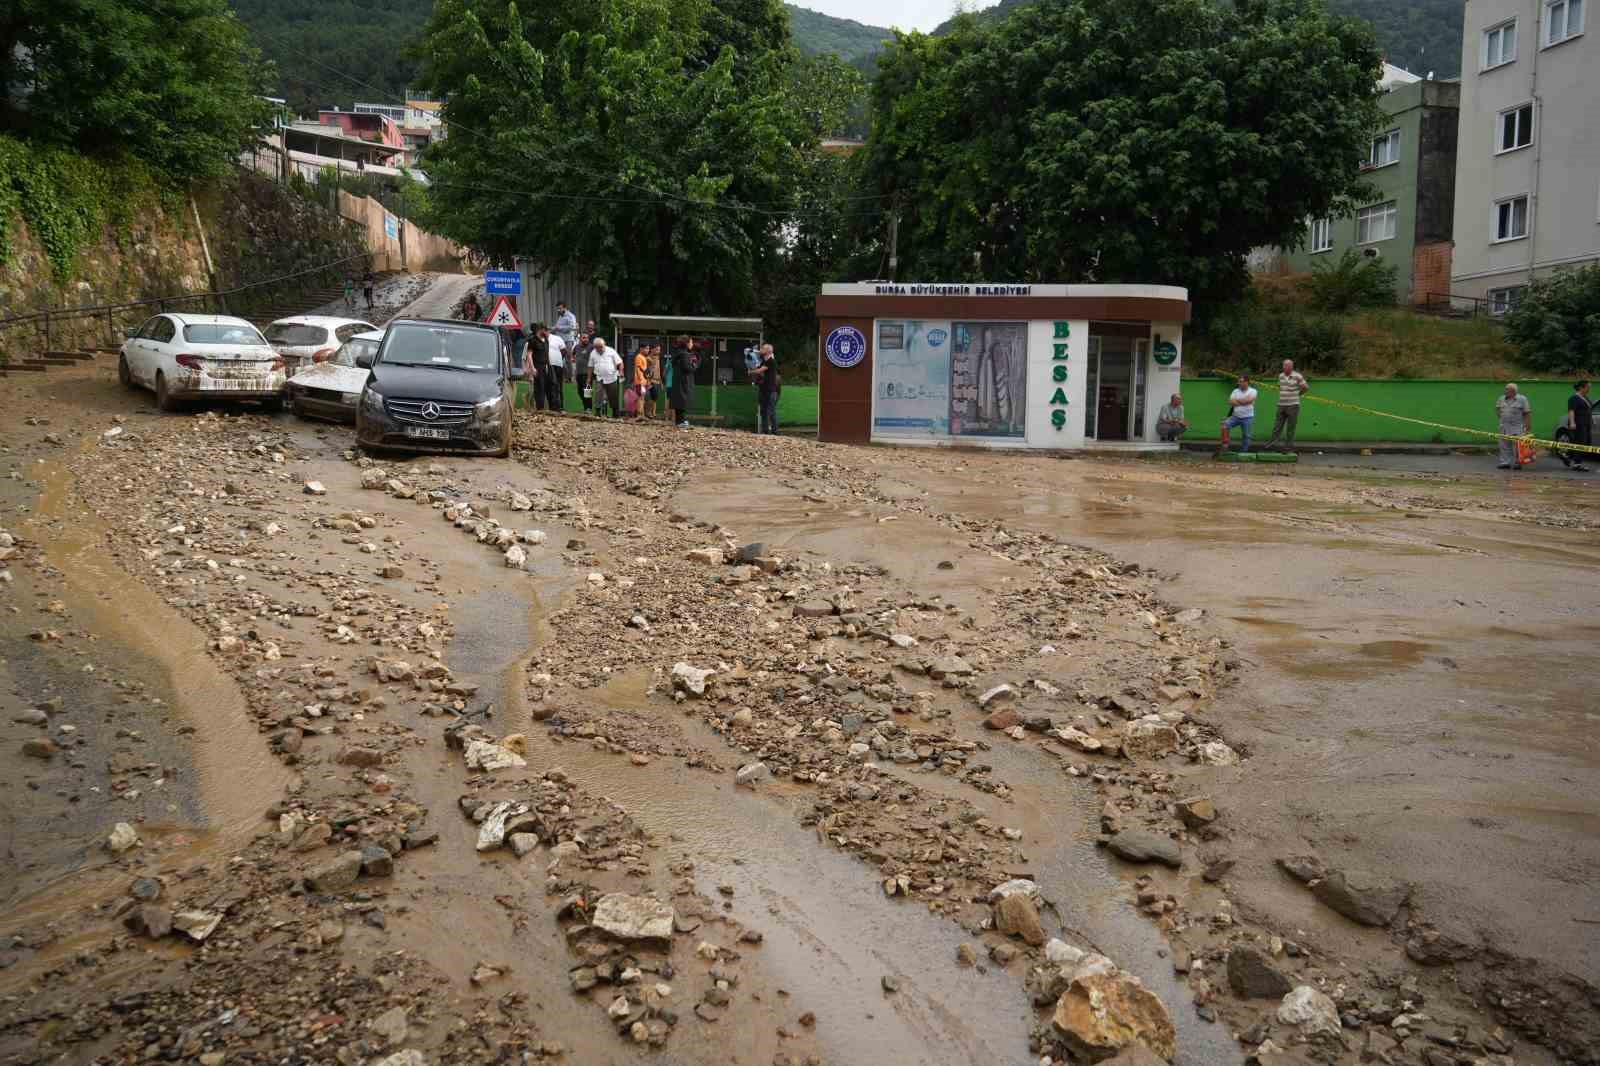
(1464,403)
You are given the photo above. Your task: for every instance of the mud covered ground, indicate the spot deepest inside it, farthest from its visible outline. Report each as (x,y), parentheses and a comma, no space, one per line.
(703,747)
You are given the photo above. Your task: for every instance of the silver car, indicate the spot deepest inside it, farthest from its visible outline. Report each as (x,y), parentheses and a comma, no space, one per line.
(331,389)
(306,339)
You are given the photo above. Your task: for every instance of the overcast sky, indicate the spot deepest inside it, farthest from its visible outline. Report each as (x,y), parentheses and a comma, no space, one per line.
(900,14)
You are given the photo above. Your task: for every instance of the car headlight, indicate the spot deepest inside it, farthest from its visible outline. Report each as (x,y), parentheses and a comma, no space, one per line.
(486,409)
(372,400)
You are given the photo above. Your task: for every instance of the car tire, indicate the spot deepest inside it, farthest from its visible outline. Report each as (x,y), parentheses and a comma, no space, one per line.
(505,450)
(124,375)
(1561,436)
(296,408)
(273,406)
(164,399)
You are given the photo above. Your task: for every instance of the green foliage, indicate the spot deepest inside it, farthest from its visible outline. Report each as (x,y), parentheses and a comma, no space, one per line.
(325,50)
(1084,140)
(1556,326)
(170,82)
(830,94)
(1420,35)
(1255,338)
(586,136)
(65,199)
(1353,280)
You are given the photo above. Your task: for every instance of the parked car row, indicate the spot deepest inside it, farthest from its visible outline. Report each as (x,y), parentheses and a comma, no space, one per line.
(418,385)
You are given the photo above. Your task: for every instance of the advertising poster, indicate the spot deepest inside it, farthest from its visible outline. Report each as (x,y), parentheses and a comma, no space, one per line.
(911,379)
(988,379)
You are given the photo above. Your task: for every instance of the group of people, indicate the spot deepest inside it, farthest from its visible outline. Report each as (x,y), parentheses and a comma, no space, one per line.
(1513,412)
(609,384)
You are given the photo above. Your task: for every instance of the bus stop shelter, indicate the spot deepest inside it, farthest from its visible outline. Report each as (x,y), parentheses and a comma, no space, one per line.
(722,342)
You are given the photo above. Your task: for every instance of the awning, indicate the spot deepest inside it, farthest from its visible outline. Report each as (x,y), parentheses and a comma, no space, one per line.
(693,325)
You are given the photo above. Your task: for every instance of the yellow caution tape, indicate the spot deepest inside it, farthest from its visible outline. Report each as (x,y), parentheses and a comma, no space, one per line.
(1553,445)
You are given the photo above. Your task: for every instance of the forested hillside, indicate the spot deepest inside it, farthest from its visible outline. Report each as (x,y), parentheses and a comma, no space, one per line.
(1419,35)
(326,49)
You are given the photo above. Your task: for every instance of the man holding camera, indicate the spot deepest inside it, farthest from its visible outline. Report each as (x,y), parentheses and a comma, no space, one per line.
(768,385)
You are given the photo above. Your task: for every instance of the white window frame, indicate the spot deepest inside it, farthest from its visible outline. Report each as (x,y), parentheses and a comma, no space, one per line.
(1503,301)
(1546,31)
(1322,227)
(1494,219)
(1389,210)
(1392,137)
(1500,148)
(1496,33)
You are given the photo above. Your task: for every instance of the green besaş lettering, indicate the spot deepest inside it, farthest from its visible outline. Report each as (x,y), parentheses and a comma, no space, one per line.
(1059,373)
(1059,397)
(1061,351)
(1058,418)
(1063,329)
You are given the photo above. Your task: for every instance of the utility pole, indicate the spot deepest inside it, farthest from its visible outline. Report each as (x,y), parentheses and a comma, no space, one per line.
(894,236)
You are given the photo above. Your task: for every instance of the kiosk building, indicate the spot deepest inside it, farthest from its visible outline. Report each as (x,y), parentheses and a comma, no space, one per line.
(999,366)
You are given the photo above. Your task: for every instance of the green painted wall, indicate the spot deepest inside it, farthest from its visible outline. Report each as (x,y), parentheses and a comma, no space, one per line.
(1455,403)
(1397,182)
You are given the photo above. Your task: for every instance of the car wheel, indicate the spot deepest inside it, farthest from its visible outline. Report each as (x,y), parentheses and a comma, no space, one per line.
(1561,436)
(124,375)
(296,407)
(273,406)
(164,399)
(505,449)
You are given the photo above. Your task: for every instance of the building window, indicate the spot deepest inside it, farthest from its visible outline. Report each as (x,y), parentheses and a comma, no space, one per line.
(1321,234)
(1376,223)
(1511,219)
(1516,129)
(1503,300)
(1500,44)
(1385,150)
(1563,19)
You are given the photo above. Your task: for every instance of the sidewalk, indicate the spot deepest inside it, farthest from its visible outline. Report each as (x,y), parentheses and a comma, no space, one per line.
(1354,447)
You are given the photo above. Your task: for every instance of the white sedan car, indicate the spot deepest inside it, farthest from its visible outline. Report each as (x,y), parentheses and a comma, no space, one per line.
(331,389)
(306,339)
(190,357)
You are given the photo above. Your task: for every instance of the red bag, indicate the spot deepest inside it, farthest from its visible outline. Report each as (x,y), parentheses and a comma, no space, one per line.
(630,400)
(1525,453)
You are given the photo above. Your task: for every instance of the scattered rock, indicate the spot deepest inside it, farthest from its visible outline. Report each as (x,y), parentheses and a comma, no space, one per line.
(376,861)
(1015,915)
(122,838)
(997,695)
(516,558)
(39,748)
(633,917)
(949,666)
(752,773)
(1004,718)
(337,874)
(692,680)
(1311,1010)
(408,1057)
(151,921)
(1105,1012)
(196,925)
(31,716)
(489,757)
(145,889)
(1216,753)
(1251,974)
(1362,897)
(364,757)
(1137,845)
(1148,738)
(890,983)
(966,955)
(1197,812)
(1303,868)
(391,1026)
(814,609)
(315,488)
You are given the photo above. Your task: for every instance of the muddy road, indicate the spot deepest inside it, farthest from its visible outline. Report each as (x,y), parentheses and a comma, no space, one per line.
(702,747)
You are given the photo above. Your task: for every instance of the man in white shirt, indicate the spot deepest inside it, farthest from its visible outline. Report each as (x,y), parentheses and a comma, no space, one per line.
(1241,413)
(605,372)
(555,389)
(566,323)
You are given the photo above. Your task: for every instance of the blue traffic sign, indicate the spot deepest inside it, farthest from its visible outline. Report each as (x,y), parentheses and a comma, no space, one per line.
(503,282)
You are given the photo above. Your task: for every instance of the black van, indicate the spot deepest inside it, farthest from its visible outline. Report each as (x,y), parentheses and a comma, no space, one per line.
(438,385)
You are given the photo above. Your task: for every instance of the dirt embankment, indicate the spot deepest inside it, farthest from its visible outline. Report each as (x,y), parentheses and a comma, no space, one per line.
(696,741)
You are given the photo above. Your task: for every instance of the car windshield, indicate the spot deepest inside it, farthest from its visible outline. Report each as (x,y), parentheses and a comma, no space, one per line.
(222,333)
(346,356)
(466,349)
(296,334)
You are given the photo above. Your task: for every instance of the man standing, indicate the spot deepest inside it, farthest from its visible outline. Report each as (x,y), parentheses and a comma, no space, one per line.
(768,385)
(367,283)
(566,325)
(556,356)
(1580,423)
(1170,423)
(1291,386)
(1516,420)
(1242,413)
(580,370)
(605,372)
(538,363)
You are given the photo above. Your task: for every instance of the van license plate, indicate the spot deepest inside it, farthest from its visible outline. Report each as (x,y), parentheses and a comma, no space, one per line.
(427,433)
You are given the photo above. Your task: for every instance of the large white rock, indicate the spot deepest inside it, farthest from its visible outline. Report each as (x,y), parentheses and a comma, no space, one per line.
(1216,753)
(691,679)
(122,838)
(1311,1010)
(633,917)
(482,755)
(1148,738)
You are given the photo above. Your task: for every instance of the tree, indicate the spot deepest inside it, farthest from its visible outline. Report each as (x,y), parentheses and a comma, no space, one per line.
(171,82)
(1350,282)
(1093,140)
(1556,325)
(582,136)
(829,94)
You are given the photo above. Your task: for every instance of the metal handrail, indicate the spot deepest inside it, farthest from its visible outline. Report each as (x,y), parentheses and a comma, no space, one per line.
(50,315)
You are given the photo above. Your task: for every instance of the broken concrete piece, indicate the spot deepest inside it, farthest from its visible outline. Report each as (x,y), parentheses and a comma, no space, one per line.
(633,917)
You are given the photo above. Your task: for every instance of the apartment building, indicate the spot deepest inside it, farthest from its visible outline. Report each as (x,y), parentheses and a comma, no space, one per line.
(1528,152)
(1411,162)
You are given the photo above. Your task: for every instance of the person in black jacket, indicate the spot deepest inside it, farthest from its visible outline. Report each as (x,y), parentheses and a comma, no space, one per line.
(680,388)
(537,360)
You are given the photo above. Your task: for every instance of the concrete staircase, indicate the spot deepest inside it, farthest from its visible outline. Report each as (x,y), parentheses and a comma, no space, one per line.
(41,363)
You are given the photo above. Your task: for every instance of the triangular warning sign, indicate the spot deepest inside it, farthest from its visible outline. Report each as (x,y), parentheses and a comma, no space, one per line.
(503,315)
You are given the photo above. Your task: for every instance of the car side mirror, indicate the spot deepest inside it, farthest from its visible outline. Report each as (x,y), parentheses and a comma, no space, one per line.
(364,361)
(130,332)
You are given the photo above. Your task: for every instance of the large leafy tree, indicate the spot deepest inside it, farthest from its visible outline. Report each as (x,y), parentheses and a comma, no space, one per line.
(1556,324)
(172,82)
(589,137)
(1097,140)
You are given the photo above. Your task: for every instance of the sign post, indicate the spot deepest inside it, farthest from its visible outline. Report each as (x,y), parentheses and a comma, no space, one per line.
(503,316)
(502,282)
